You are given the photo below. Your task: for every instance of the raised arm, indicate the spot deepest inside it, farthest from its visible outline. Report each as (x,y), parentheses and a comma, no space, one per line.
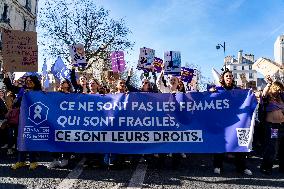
(155,88)
(127,83)
(161,83)
(9,85)
(267,87)
(73,79)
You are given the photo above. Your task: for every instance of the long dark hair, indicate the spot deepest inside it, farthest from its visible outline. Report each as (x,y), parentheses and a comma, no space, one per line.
(222,80)
(276,85)
(70,88)
(36,81)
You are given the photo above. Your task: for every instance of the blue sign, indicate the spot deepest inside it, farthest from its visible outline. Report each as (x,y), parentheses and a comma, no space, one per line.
(137,123)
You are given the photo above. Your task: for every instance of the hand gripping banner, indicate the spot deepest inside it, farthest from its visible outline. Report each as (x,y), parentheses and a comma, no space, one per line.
(137,123)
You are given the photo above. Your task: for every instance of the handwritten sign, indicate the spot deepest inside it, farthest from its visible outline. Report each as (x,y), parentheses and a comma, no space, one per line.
(20,51)
(172,62)
(78,56)
(19,37)
(146,58)
(266,66)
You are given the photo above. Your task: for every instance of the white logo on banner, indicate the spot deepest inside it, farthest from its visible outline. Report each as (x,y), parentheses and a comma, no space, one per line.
(38,113)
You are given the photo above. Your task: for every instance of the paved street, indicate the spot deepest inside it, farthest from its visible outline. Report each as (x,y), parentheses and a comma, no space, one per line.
(193,172)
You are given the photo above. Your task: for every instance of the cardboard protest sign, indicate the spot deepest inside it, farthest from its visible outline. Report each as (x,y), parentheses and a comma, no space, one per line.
(117,61)
(146,58)
(266,66)
(158,64)
(19,37)
(172,62)
(78,56)
(20,51)
(112,75)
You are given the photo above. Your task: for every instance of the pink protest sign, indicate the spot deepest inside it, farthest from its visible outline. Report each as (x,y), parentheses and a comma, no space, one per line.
(117,61)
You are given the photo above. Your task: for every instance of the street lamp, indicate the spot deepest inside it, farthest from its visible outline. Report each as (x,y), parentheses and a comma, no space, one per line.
(220,45)
(224,48)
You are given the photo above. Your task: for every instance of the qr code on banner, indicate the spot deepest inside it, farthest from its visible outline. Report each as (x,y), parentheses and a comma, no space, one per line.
(243,136)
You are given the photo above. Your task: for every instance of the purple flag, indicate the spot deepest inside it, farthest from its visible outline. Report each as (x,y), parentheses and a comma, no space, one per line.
(158,64)
(187,74)
(117,61)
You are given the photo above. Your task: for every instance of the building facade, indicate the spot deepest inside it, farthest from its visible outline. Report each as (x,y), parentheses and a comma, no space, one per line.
(17,15)
(242,70)
(279,50)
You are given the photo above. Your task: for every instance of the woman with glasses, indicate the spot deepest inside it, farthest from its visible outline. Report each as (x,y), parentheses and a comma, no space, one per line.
(32,83)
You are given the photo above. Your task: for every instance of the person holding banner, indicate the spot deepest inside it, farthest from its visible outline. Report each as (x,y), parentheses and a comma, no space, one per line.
(65,86)
(274,125)
(121,87)
(172,86)
(79,88)
(227,83)
(61,159)
(32,83)
(94,86)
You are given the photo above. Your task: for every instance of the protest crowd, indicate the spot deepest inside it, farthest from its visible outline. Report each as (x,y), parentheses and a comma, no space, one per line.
(268,136)
(265,115)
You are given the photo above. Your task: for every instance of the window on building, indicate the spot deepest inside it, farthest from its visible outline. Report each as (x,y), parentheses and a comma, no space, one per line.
(235,67)
(28,5)
(250,67)
(4,17)
(251,75)
(235,76)
(243,68)
(25,25)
